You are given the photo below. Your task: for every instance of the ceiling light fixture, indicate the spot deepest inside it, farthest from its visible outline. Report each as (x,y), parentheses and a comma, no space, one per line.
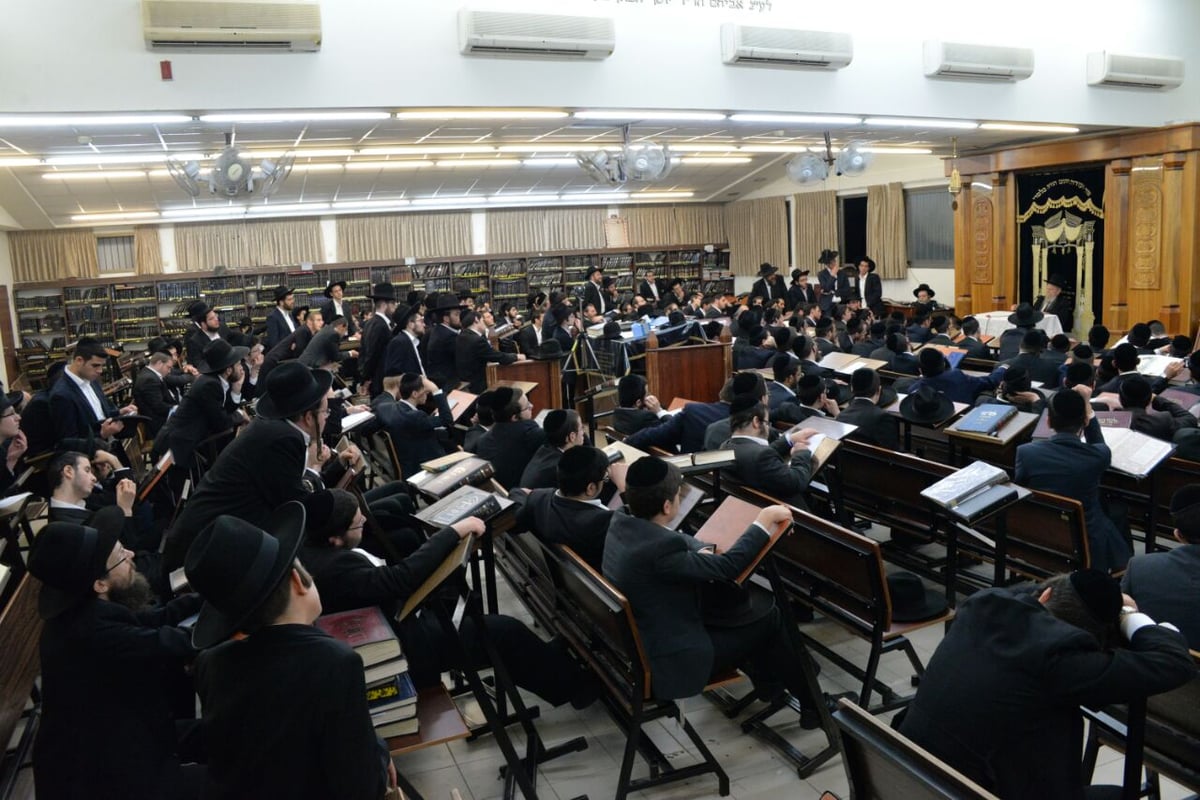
(480,113)
(8,163)
(652,116)
(1029,128)
(80,120)
(288,208)
(661,195)
(190,211)
(447,201)
(101,175)
(704,148)
(524,198)
(796,119)
(97,159)
(369,205)
(898,151)
(714,160)
(335,152)
(777,148)
(549,162)
(368,166)
(251,118)
(478,162)
(906,122)
(425,150)
(114,217)
(593,197)
(545,148)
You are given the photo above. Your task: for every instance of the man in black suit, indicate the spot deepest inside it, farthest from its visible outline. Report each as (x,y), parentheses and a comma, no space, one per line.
(999,700)
(1125,360)
(800,292)
(768,286)
(1024,319)
(870,286)
(110,664)
(205,328)
(649,288)
(417,435)
(684,429)
(875,426)
(1166,584)
(529,338)
(280,321)
(970,341)
(293,344)
(637,409)
(1053,302)
(151,394)
(782,389)
(827,280)
(1030,357)
(404,350)
(781,469)
(661,572)
(473,352)
(564,430)
(377,333)
(514,436)
(333,306)
(571,512)
(78,404)
(441,359)
(592,291)
(1153,415)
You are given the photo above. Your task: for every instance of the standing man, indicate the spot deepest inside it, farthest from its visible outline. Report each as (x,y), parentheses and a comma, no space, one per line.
(280,322)
(441,352)
(377,332)
(768,285)
(79,407)
(207,328)
(649,287)
(404,350)
(870,286)
(827,278)
(333,306)
(473,352)
(592,291)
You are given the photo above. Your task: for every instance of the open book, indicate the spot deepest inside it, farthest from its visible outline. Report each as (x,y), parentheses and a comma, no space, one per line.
(1135,453)
(465,501)
(468,472)
(352,421)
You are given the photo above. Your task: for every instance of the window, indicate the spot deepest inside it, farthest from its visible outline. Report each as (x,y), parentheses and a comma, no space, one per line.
(115,254)
(929,222)
(853,228)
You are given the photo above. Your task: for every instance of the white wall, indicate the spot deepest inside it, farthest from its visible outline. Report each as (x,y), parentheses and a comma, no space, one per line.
(82,55)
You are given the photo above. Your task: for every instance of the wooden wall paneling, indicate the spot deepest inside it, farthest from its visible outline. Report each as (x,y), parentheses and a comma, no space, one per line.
(1117,146)
(1144,226)
(1189,257)
(6,335)
(963,250)
(1175,221)
(1005,294)
(1116,237)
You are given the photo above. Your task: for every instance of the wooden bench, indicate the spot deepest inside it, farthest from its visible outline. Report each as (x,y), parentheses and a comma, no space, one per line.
(1045,534)
(1171,476)
(885,487)
(882,764)
(20,631)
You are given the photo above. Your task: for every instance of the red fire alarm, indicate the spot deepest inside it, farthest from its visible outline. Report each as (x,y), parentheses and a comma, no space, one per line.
(164,67)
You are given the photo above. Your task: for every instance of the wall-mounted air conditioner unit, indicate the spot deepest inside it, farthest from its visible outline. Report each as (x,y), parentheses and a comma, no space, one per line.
(203,25)
(517,35)
(977,62)
(1140,72)
(785,47)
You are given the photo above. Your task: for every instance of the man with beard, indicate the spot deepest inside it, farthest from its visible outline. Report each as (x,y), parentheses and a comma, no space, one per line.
(110,664)
(207,328)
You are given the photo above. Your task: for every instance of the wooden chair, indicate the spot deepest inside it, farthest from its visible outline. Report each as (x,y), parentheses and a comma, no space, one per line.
(599,624)
(20,630)
(380,453)
(882,764)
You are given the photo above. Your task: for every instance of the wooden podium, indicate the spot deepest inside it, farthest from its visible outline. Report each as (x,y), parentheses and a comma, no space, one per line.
(696,371)
(546,374)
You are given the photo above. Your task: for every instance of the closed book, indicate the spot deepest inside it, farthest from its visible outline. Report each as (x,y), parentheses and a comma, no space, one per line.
(391,692)
(703,461)
(467,472)
(397,714)
(405,727)
(385,669)
(446,462)
(958,486)
(463,502)
(984,502)
(365,630)
(986,419)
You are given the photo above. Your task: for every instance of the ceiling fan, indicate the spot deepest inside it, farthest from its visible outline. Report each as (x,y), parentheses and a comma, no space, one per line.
(853,159)
(642,163)
(232,175)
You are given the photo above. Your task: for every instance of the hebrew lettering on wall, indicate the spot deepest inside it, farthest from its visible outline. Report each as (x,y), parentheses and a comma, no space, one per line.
(1146,209)
(981,234)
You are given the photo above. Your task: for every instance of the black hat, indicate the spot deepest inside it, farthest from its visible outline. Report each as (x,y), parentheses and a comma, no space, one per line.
(926,406)
(281,292)
(593,269)
(198,310)
(1016,379)
(235,566)
(612,330)
(924,287)
(1057,280)
(219,356)
(403,313)
(327,513)
(932,360)
(329,289)
(383,291)
(797,274)
(1100,593)
(852,296)
(765,269)
(911,601)
(561,312)
(608,281)
(1185,509)
(291,389)
(67,558)
(1181,346)
(245,322)
(1025,316)
(647,472)
(549,349)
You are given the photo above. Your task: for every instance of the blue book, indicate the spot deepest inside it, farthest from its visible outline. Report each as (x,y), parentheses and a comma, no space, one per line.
(986,420)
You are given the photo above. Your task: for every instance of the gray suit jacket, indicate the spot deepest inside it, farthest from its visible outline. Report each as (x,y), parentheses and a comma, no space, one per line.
(1166,585)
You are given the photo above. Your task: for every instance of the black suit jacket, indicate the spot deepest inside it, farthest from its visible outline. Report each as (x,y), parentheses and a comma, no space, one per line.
(875,426)
(1166,585)
(414,433)
(798,294)
(72,414)
(1060,308)
(828,283)
(644,291)
(542,470)
(974,347)
(527,340)
(593,295)
(769,291)
(631,420)
(684,430)
(328,312)
(377,332)
(510,446)
(106,670)
(1040,369)
(402,356)
(555,519)
(154,398)
(205,411)
(1000,698)
(1162,419)
(278,328)
(472,354)
(441,355)
(771,469)
(872,292)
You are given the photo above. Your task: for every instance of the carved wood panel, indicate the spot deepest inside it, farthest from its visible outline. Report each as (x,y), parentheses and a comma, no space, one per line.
(1146,209)
(982,256)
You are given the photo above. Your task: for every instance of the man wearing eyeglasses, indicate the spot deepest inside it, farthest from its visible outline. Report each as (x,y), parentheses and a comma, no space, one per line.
(13,443)
(109,666)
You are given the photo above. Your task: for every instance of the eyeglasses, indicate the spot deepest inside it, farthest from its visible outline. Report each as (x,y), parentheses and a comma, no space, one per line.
(12,412)
(126,555)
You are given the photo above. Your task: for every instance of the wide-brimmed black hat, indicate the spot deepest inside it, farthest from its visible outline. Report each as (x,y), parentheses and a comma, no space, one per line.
(383,291)
(219,356)
(550,349)
(924,287)
(911,601)
(68,558)
(1057,280)
(198,310)
(926,406)
(403,313)
(329,289)
(765,269)
(291,389)
(1025,315)
(281,292)
(447,302)
(797,274)
(235,566)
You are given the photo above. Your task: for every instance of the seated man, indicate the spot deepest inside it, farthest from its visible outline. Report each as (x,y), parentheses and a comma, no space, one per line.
(349,579)
(781,469)
(481,423)
(637,409)
(875,426)
(514,437)
(661,573)
(1166,584)
(1071,468)
(573,514)
(1153,415)
(564,430)
(417,436)
(813,400)
(152,394)
(1000,698)
(783,388)
(1032,358)
(1024,318)
(970,340)
(1124,362)
(897,355)
(274,730)
(687,430)
(952,382)
(107,657)
(75,495)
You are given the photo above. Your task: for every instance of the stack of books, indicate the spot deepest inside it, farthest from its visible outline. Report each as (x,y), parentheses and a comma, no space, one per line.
(391,697)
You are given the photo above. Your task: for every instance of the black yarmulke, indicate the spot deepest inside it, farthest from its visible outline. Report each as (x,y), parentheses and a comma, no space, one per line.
(646,472)
(1100,593)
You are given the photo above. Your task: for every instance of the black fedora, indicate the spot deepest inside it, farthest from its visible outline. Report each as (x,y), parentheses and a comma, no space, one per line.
(765,269)
(219,355)
(234,566)
(198,310)
(550,349)
(291,389)
(403,313)
(447,302)
(281,292)
(1025,316)
(383,291)
(1057,280)
(68,558)
(911,601)
(924,287)
(926,406)
(329,289)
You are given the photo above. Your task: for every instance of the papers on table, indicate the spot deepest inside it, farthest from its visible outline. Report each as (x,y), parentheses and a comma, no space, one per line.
(352,421)
(1156,366)
(1135,453)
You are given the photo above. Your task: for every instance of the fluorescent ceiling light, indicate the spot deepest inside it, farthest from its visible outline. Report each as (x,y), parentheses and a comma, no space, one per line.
(289,208)
(899,151)
(318,167)
(369,204)
(715,160)
(546,148)
(478,162)
(106,158)
(6,163)
(480,113)
(425,150)
(337,152)
(796,119)
(446,201)
(124,215)
(81,120)
(549,162)
(906,122)
(661,195)
(703,148)
(593,197)
(297,116)
(207,211)
(775,148)
(653,116)
(102,175)
(369,166)
(523,198)
(1013,126)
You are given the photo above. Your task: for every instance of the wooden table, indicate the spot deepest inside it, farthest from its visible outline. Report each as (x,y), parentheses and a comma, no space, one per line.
(999,449)
(543,377)
(439,719)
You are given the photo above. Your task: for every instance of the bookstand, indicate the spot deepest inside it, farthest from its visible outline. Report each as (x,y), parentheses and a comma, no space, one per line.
(952,525)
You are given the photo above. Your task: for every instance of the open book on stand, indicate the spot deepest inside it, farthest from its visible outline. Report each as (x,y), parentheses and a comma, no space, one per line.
(468,472)
(959,486)
(463,502)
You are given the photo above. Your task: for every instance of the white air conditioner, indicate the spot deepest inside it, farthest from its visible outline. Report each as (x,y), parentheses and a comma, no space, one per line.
(204,25)
(785,47)
(516,35)
(977,62)
(1141,72)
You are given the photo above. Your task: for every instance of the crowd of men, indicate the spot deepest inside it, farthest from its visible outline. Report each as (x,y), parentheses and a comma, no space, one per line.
(253,426)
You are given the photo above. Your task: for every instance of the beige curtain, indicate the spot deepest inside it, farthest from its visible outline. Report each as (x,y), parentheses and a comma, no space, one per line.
(285,242)
(815,226)
(757,232)
(515,231)
(887,241)
(376,238)
(202,246)
(700,224)
(650,226)
(147,250)
(53,255)
(573,228)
